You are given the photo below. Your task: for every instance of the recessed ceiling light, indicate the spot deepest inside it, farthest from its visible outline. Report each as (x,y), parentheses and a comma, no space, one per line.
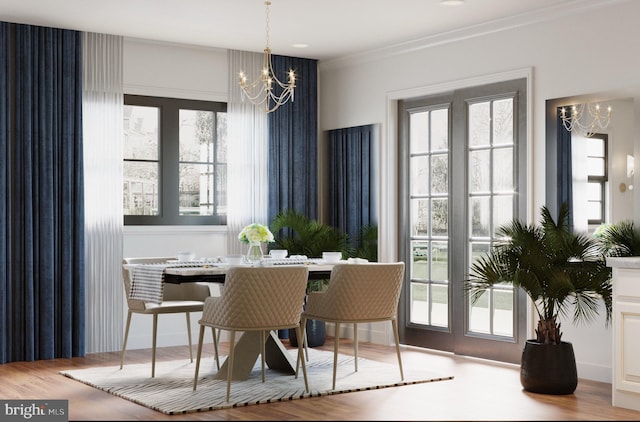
(452,2)
(299,45)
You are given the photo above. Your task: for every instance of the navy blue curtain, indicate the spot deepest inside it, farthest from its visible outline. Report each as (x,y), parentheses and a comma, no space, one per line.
(565,169)
(42,285)
(293,142)
(350,178)
(5,310)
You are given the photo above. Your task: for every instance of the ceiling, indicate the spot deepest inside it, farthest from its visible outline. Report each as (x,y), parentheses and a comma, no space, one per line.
(330,28)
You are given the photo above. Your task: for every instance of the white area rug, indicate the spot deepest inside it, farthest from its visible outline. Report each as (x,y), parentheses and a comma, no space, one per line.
(171,391)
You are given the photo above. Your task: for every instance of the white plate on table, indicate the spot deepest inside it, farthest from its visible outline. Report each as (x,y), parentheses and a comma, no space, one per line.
(227,265)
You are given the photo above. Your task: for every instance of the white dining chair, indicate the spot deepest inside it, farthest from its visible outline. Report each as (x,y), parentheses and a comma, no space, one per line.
(255,299)
(177,298)
(358,293)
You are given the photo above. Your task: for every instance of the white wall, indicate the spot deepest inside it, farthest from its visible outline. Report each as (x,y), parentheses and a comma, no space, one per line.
(590,53)
(621,137)
(175,70)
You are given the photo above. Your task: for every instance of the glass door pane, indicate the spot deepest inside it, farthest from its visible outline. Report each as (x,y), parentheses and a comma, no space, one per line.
(491,200)
(429,187)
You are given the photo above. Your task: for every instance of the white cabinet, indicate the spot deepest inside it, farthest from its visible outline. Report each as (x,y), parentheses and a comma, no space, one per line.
(626,332)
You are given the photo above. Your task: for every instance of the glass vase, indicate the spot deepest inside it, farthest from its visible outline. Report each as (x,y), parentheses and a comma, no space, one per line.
(254,254)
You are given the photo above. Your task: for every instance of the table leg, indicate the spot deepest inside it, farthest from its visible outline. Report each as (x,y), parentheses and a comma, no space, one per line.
(247,351)
(277,356)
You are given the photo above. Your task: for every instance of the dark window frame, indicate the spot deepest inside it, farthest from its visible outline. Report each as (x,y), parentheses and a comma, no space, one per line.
(168,156)
(601,180)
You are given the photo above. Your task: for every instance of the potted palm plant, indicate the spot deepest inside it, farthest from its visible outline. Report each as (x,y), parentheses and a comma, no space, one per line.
(301,235)
(559,270)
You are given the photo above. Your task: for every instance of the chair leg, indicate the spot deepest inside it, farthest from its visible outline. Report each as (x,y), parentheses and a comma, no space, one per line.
(305,342)
(301,358)
(263,340)
(394,325)
(355,345)
(335,353)
(303,324)
(215,345)
(126,336)
(232,344)
(200,341)
(189,335)
(153,346)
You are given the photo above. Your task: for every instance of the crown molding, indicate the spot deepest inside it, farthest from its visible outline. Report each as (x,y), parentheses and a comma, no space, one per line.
(558,11)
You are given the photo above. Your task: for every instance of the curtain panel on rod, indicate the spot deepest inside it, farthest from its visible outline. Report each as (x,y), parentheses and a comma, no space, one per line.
(350,180)
(102,111)
(564,166)
(5,196)
(247,176)
(293,142)
(43,275)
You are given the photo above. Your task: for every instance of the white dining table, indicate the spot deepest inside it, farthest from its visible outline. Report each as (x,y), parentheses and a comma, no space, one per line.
(247,348)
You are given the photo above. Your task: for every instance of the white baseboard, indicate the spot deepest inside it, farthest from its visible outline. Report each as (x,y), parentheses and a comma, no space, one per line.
(594,372)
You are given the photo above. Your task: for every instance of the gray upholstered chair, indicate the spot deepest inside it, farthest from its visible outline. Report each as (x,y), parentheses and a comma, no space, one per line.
(259,299)
(358,293)
(177,298)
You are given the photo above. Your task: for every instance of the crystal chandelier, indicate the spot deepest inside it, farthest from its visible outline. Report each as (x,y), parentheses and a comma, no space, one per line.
(267,91)
(585,119)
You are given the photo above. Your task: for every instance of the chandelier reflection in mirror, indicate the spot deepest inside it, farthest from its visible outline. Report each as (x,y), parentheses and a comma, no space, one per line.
(585,119)
(267,91)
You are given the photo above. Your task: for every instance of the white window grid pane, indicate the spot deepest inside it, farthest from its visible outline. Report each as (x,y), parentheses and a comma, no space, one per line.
(429,188)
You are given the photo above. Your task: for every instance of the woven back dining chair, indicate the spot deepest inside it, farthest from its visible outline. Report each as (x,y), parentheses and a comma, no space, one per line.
(177,298)
(358,293)
(256,299)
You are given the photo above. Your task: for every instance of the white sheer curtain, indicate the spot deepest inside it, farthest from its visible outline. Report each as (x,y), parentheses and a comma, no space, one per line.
(102,109)
(247,177)
(579,174)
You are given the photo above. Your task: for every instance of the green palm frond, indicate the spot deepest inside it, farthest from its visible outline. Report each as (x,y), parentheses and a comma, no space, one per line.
(620,239)
(559,270)
(301,235)
(367,242)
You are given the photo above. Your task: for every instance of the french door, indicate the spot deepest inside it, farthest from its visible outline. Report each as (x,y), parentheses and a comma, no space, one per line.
(462,175)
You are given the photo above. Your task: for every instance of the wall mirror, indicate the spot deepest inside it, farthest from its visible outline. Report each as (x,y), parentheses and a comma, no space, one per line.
(618,193)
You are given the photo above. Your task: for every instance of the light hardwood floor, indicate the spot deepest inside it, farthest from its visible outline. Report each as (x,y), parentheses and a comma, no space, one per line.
(481,390)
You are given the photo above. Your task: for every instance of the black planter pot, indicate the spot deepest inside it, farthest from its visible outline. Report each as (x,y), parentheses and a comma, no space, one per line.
(316,334)
(548,368)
